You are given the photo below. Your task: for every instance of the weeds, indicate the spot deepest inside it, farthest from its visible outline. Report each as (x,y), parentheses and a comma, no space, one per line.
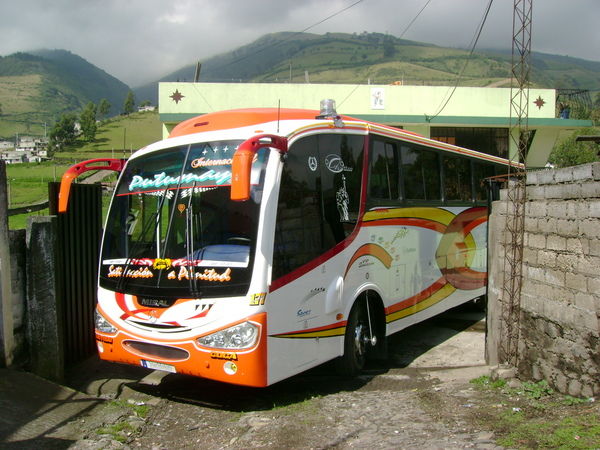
(533,415)
(118,432)
(123,428)
(571,432)
(486,381)
(537,390)
(139,409)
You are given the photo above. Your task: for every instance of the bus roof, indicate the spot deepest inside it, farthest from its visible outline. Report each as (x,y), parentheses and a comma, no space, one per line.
(239,118)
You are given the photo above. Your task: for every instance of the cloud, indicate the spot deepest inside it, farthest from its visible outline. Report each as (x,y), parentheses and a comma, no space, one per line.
(141,40)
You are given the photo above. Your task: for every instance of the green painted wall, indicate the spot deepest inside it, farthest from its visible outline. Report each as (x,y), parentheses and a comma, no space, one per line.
(420,101)
(415,108)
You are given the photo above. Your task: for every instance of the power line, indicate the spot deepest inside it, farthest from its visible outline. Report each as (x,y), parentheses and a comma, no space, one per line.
(473,45)
(402,34)
(291,36)
(414,18)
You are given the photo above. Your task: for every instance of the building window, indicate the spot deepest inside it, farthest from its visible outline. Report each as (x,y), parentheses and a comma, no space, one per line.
(493,141)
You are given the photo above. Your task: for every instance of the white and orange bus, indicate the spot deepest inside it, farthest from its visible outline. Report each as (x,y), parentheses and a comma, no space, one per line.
(251,245)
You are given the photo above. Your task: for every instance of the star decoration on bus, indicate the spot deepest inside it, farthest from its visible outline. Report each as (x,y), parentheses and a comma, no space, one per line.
(176,96)
(539,102)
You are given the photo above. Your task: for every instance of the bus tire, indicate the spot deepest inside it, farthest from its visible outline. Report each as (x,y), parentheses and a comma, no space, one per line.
(356,345)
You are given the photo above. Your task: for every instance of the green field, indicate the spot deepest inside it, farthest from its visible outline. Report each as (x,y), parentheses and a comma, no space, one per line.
(28,183)
(117,137)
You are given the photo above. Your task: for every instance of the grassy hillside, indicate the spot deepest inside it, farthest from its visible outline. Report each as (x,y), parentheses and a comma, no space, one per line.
(28,183)
(117,137)
(380,58)
(35,89)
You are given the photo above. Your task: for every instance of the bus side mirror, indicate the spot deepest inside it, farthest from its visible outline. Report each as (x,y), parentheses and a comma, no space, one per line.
(82,167)
(243,157)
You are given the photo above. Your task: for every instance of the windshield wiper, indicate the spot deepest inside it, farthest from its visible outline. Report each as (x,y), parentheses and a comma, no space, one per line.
(131,254)
(172,211)
(190,237)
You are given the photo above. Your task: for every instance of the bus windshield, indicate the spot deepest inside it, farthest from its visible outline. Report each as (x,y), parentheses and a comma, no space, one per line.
(172,229)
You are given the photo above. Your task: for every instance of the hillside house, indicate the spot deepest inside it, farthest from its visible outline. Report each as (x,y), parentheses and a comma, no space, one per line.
(13,157)
(32,144)
(28,149)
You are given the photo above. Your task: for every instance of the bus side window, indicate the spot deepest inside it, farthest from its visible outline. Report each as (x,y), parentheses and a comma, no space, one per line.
(319,198)
(457,179)
(383,179)
(481,171)
(421,174)
(341,175)
(298,227)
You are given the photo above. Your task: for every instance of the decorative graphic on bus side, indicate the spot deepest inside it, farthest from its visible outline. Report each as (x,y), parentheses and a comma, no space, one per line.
(335,329)
(454,254)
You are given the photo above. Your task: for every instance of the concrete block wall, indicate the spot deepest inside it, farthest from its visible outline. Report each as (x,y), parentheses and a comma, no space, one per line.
(18,253)
(560,295)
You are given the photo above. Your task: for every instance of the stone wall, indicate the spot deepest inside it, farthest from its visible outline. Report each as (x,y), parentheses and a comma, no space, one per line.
(559,326)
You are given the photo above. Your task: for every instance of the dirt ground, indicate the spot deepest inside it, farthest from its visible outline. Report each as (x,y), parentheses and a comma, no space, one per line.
(419,397)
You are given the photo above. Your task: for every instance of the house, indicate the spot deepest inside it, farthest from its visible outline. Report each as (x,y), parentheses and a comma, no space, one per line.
(12,157)
(31,144)
(472,117)
(28,149)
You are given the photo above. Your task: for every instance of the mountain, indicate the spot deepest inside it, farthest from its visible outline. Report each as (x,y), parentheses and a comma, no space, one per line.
(37,87)
(375,57)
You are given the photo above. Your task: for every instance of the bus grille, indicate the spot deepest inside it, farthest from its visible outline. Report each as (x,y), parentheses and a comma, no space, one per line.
(156,351)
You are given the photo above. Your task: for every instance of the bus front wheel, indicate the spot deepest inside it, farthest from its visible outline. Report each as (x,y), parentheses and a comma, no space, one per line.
(357,341)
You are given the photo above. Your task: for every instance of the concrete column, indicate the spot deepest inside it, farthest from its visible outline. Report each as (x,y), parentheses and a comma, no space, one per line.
(6,304)
(44,309)
(496,227)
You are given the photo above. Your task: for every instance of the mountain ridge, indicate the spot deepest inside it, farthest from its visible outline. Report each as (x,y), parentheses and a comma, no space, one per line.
(382,58)
(39,85)
(36,87)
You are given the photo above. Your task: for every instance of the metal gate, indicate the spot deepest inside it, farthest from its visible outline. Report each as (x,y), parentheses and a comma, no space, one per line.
(78,242)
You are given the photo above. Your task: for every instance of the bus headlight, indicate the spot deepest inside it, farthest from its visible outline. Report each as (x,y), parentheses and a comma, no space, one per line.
(243,335)
(103,325)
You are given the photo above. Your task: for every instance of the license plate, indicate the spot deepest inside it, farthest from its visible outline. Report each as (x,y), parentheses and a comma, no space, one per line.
(158,366)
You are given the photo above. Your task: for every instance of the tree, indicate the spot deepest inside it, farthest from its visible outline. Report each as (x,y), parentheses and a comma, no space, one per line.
(87,120)
(569,152)
(63,133)
(146,103)
(389,49)
(129,103)
(103,108)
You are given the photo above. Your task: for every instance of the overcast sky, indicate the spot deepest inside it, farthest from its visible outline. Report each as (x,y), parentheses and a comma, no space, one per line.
(141,40)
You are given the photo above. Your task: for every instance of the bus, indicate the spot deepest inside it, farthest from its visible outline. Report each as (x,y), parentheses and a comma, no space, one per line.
(254,244)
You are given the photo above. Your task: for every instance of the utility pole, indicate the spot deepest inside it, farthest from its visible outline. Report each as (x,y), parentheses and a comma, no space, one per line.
(515,219)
